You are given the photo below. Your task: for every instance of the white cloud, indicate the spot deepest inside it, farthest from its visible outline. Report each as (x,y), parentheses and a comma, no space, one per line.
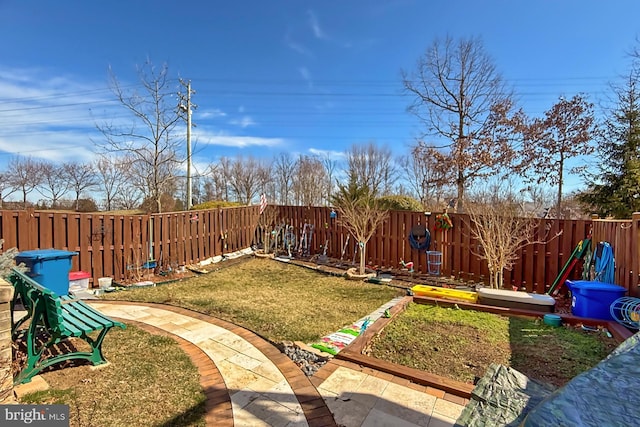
(243,122)
(50,117)
(211,113)
(306,74)
(315,26)
(239,141)
(297,47)
(52,146)
(332,154)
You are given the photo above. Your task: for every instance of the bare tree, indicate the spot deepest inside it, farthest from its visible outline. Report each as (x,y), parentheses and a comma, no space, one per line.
(456,88)
(80,177)
(427,178)
(6,187)
(53,183)
(359,213)
(266,223)
(151,141)
(330,166)
(309,181)
(565,132)
(372,166)
(218,186)
(110,179)
(243,176)
(24,175)
(502,227)
(284,168)
(267,183)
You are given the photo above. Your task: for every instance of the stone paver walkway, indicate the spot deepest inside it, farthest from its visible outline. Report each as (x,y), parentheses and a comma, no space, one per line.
(249,382)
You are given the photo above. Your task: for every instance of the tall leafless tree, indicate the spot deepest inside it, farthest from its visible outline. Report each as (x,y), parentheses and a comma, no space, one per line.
(243,176)
(218,186)
(267,182)
(284,169)
(132,193)
(53,183)
(151,140)
(455,89)
(309,181)
(330,166)
(6,187)
(80,177)
(110,179)
(24,175)
(427,179)
(372,166)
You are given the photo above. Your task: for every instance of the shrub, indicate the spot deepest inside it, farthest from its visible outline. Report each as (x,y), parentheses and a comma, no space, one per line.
(215,204)
(399,203)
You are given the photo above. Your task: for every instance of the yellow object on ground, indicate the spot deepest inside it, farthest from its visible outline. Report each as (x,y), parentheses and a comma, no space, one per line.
(444,293)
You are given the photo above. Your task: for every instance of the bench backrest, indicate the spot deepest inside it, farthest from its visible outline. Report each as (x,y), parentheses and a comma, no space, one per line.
(36,297)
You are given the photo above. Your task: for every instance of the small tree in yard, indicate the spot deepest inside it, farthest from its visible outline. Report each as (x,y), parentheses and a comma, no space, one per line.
(501,228)
(266,222)
(360,214)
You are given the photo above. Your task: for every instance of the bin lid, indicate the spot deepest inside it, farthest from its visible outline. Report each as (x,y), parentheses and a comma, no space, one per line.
(594,286)
(46,254)
(78,275)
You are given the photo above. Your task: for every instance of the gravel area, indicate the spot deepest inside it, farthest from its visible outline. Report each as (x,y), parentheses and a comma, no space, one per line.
(308,361)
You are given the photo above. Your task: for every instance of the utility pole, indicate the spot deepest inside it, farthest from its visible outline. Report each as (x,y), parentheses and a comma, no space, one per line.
(186,106)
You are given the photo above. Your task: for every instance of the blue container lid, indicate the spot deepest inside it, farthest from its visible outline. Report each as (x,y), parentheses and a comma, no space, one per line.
(594,286)
(39,254)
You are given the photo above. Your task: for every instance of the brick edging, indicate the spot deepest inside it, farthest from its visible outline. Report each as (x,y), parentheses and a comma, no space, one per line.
(313,405)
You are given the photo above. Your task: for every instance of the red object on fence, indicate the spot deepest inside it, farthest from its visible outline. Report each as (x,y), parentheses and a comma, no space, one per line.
(263,202)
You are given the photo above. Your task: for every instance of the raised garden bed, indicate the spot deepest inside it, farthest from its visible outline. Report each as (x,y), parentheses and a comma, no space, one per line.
(356,352)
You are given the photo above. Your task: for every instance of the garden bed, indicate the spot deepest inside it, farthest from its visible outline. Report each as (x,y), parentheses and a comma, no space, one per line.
(354,353)
(461,344)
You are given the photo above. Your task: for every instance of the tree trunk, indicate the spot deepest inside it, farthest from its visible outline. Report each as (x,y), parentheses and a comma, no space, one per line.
(560,178)
(362,257)
(460,182)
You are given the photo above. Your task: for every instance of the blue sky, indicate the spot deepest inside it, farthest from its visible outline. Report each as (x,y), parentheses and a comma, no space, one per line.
(302,77)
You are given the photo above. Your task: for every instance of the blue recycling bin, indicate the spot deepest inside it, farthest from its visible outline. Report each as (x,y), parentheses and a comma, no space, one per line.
(593,299)
(49,267)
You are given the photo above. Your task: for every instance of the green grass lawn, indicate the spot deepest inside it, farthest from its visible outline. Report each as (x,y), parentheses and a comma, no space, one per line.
(276,300)
(460,344)
(149,381)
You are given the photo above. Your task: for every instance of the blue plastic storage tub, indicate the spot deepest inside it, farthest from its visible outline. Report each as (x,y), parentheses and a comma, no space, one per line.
(593,299)
(48,267)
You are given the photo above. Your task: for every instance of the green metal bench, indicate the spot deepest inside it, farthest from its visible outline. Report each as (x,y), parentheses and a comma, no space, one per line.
(61,317)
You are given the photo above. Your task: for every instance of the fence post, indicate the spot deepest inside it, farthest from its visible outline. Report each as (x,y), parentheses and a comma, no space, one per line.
(6,360)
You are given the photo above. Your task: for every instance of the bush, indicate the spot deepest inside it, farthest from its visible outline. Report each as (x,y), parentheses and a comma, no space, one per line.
(87,205)
(400,203)
(215,204)
(167,202)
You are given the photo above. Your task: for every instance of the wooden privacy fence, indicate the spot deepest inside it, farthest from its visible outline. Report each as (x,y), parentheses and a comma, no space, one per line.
(624,237)
(119,245)
(115,245)
(538,264)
